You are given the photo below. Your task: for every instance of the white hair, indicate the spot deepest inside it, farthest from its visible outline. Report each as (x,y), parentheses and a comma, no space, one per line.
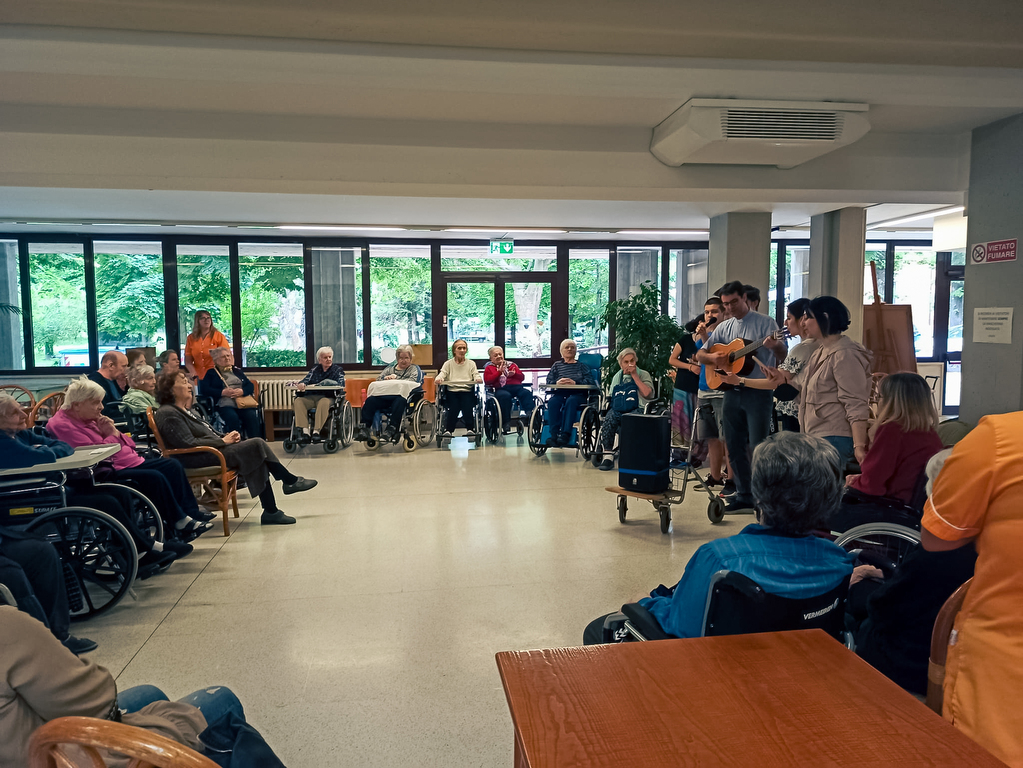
(625,353)
(561,346)
(217,351)
(8,405)
(138,373)
(81,390)
(491,350)
(322,351)
(405,348)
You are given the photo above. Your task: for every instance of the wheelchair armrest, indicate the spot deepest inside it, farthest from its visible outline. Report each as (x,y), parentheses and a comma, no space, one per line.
(644,622)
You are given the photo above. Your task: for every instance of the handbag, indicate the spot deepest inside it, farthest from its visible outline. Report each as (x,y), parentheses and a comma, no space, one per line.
(625,397)
(242,401)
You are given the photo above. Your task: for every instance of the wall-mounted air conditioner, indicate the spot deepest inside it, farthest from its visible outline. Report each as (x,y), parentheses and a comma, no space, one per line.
(742,132)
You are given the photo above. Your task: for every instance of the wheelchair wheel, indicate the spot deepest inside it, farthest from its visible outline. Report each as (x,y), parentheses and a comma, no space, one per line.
(716,510)
(589,431)
(290,446)
(536,431)
(492,421)
(330,445)
(99,552)
(373,443)
(409,442)
(424,422)
(346,428)
(144,515)
(884,545)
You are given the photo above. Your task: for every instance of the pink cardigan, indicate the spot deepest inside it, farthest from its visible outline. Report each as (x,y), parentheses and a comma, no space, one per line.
(79,433)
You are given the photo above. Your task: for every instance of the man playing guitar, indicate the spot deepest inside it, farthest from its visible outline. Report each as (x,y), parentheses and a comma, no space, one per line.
(747,412)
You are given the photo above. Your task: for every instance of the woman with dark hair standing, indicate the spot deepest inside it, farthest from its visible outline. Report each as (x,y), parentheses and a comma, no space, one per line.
(200,341)
(787,400)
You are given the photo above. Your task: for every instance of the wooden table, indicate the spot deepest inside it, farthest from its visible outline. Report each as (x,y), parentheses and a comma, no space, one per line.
(776,699)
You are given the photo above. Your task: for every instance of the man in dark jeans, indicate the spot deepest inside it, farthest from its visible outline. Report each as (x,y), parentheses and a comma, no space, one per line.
(747,412)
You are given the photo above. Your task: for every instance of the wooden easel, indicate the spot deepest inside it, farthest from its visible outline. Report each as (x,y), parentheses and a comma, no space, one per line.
(888,333)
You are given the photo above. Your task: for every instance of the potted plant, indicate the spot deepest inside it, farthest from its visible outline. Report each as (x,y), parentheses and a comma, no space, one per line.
(638,323)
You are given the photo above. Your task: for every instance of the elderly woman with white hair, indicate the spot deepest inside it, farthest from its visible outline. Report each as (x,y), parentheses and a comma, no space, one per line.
(233,394)
(141,385)
(630,377)
(80,422)
(563,404)
(325,372)
(402,369)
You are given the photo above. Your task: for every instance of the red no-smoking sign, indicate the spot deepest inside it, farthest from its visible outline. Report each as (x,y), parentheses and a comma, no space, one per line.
(994,251)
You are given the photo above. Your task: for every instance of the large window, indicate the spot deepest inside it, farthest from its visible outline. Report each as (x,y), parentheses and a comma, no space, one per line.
(337,302)
(12,330)
(637,265)
(272,284)
(471,316)
(478,258)
(914,285)
(527,320)
(691,285)
(129,295)
(59,318)
(204,282)
(588,281)
(401,307)
(877,253)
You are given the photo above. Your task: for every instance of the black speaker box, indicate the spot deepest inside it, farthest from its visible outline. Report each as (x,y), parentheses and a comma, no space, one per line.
(644,452)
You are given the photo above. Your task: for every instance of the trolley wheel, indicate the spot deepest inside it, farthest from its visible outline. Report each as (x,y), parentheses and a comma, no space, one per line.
(665,513)
(623,508)
(536,431)
(99,551)
(409,443)
(372,443)
(331,446)
(716,510)
(290,446)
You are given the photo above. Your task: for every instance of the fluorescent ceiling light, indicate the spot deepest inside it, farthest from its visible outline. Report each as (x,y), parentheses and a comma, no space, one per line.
(497,231)
(321,228)
(665,232)
(916,217)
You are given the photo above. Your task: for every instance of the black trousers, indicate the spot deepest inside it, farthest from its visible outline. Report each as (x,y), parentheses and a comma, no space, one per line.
(393,405)
(245,421)
(456,403)
(42,570)
(278,472)
(163,481)
(504,397)
(747,423)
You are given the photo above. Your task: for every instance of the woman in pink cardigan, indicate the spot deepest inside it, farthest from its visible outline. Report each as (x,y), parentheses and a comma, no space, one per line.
(80,422)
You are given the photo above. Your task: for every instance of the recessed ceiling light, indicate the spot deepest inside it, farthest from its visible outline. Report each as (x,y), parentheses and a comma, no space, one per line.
(665,232)
(322,228)
(499,231)
(916,217)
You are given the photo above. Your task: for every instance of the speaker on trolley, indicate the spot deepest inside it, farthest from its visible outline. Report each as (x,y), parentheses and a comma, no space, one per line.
(644,453)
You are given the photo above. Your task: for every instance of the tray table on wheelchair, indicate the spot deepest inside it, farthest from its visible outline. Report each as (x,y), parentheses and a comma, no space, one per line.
(569,386)
(86,456)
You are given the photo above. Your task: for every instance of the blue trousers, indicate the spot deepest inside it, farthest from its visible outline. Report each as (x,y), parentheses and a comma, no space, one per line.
(214,702)
(504,397)
(561,410)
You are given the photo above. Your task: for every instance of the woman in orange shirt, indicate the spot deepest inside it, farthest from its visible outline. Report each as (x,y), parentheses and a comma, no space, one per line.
(201,340)
(979,497)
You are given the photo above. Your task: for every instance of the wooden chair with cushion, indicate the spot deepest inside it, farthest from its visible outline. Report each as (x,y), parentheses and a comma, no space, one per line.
(60,743)
(216,486)
(45,408)
(940,638)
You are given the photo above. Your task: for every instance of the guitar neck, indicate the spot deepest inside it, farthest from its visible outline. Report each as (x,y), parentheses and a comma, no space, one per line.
(747,349)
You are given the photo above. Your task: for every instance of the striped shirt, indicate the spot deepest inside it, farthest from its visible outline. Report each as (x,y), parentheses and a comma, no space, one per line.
(577,372)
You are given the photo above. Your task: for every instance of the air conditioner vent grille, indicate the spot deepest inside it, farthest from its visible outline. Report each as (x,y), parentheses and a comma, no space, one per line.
(781,124)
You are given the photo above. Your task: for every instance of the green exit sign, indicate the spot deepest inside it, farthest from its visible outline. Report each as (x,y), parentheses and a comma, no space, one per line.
(503,247)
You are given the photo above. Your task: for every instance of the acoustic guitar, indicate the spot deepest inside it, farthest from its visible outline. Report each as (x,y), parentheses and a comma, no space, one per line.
(740,358)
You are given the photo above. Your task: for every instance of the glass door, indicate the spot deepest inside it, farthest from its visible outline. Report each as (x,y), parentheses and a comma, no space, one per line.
(470,315)
(948,324)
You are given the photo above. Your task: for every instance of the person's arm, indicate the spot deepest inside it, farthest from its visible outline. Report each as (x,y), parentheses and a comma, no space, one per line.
(676,361)
(189,359)
(248,388)
(474,373)
(737,381)
(681,614)
(442,375)
(587,375)
(417,373)
(15,454)
(852,381)
(878,465)
(515,374)
(59,447)
(644,384)
(491,375)
(778,347)
(177,434)
(552,375)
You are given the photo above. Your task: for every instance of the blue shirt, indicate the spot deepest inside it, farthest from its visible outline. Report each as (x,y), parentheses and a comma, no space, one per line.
(577,372)
(26,449)
(787,566)
(753,327)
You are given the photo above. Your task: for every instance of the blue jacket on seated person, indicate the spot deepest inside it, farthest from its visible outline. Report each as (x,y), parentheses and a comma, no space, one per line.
(784,565)
(26,449)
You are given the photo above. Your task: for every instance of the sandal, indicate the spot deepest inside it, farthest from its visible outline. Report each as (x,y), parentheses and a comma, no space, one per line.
(193,530)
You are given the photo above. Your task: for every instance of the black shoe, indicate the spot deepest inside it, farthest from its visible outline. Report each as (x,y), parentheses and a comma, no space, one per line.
(204,516)
(79,645)
(193,530)
(300,484)
(276,518)
(177,548)
(712,482)
(728,489)
(153,563)
(607,465)
(739,507)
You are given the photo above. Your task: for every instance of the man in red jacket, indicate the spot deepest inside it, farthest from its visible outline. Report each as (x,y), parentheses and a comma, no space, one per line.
(506,379)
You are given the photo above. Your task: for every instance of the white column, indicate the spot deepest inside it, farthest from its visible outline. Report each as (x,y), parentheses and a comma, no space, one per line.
(740,249)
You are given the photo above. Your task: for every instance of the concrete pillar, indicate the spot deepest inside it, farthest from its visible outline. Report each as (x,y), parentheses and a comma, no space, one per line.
(993,373)
(637,265)
(838,240)
(12,344)
(334,310)
(740,249)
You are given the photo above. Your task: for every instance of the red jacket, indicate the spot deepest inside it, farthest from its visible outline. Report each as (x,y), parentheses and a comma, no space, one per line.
(492,377)
(895,461)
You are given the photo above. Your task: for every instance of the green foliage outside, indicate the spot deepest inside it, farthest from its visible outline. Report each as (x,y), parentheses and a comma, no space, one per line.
(57,283)
(276,358)
(638,323)
(130,300)
(400,299)
(588,281)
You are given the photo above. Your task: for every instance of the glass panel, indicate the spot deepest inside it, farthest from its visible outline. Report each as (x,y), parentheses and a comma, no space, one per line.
(204,282)
(692,283)
(772,283)
(955,316)
(59,326)
(337,302)
(673,267)
(527,320)
(589,275)
(797,270)
(958,258)
(953,383)
(876,252)
(12,330)
(914,285)
(272,277)
(471,316)
(637,265)
(477,258)
(400,297)
(129,295)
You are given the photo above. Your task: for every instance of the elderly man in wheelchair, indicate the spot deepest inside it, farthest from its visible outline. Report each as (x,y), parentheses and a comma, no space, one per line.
(797,486)
(322,390)
(509,401)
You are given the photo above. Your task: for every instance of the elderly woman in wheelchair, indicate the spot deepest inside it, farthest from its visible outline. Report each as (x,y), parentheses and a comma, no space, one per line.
(334,414)
(797,486)
(396,408)
(632,389)
(503,380)
(457,395)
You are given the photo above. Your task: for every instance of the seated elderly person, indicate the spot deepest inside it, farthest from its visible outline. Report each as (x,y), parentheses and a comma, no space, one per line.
(252,459)
(402,369)
(80,421)
(141,385)
(564,403)
(630,377)
(325,372)
(111,377)
(506,379)
(169,361)
(232,393)
(797,485)
(460,376)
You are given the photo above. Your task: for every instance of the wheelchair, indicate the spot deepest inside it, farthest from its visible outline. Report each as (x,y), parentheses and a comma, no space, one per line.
(475,425)
(655,407)
(883,545)
(340,423)
(585,434)
(493,422)
(417,428)
(97,552)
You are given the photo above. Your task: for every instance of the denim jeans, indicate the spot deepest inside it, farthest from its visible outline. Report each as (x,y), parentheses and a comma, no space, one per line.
(844,446)
(747,423)
(214,702)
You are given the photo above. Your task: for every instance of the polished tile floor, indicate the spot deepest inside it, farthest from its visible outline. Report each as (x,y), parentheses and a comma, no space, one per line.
(365,634)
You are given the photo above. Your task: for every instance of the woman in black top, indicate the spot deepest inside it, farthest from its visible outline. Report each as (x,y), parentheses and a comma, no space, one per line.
(687,385)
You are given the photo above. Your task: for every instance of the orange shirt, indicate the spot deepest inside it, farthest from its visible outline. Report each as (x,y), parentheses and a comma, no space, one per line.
(199,349)
(979,493)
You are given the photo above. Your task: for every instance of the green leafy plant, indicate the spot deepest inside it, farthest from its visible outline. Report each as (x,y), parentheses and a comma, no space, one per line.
(638,323)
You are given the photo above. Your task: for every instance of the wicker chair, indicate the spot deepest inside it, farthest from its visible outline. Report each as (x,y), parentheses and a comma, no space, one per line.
(45,408)
(940,636)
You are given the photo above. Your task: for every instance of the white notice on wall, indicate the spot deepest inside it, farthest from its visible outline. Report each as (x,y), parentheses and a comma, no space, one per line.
(992,325)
